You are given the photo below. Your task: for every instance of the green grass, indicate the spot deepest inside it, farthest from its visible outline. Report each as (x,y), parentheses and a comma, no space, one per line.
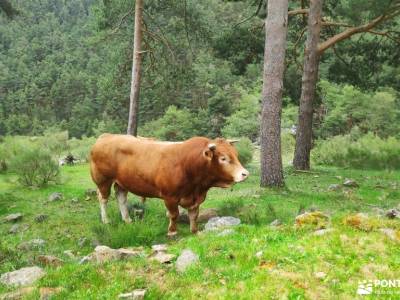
(228,267)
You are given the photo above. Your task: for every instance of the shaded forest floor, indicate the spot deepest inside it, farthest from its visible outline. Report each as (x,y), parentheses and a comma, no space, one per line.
(291,263)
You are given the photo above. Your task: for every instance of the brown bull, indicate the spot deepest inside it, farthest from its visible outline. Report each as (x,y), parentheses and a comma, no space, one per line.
(180,173)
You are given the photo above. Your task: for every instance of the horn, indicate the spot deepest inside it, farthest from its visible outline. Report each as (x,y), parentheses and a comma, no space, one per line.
(232,141)
(212,146)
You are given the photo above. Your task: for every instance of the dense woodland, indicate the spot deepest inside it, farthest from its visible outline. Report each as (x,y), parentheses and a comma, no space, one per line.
(65,65)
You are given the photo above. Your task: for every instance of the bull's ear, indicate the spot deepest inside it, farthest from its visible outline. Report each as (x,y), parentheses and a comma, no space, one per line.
(232,141)
(209,151)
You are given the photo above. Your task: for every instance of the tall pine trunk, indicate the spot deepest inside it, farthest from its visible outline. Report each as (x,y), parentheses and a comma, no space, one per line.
(274,64)
(301,159)
(136,70)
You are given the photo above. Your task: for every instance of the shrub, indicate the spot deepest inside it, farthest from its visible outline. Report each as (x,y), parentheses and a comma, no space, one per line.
(245,150)
(175,125)
(35,167)
(244,121)
(368,151)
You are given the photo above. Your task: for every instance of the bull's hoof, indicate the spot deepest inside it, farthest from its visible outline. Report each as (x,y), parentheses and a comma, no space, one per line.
(172,234)
(128,221)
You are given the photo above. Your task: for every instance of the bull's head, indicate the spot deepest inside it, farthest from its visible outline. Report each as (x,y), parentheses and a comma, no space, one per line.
(224,164)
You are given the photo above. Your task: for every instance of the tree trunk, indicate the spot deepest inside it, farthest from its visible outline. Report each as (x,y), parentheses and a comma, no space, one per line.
(274,64)
(136,68)
(301,159)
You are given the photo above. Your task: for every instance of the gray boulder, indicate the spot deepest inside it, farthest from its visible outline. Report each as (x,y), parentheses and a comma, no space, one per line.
(185,260)
(14,229)
(55,197)
(13,217)
(22,277)
(221,222)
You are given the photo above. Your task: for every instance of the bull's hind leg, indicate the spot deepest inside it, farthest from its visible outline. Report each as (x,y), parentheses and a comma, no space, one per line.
(103,192)
(121,195)
(193,213)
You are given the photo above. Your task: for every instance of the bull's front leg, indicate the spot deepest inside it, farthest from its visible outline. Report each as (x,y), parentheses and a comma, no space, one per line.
(173,214)
(193,213)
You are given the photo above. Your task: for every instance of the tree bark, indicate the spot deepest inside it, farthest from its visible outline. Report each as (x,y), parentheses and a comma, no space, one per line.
(301,159)
(274,64)
(136,70)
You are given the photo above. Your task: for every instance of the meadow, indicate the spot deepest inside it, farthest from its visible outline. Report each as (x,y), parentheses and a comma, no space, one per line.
(256,261)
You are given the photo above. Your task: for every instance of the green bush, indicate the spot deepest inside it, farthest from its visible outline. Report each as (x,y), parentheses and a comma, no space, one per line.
(175,125)
(245,150)
(368,151)
(245,120)
(35,167)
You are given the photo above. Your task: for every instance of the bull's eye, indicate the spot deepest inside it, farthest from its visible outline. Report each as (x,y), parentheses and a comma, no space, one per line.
(223,160)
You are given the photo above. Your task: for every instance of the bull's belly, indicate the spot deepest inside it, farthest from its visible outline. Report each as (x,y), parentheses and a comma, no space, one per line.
(139,187)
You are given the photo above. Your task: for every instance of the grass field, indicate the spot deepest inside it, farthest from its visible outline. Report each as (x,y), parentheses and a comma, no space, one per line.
(228,266)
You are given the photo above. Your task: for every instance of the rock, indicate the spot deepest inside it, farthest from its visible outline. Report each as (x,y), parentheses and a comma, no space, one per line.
(391,233)
(18,294)
(320,275)
(32,244)
(162,257)
(226,232)
(316,219)
(334,187)
(393,213)
(13,217)
(41,218)
(259,254)
(55,197)
(275,223)
(14,229)
(22,277)
(350,183)
(207,214)
(185,260)
(220,222)
(46,293)
(49,260)
(159,247)
(104,254)
(70,254)
(360,221)
(321,232)
(91,193)
(136,295)
(74,200)
(82,242)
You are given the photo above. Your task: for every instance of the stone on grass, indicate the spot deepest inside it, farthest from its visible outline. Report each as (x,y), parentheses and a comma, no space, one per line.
(393,213)
(18,294)
(226,232)
(47,293)
(104,254)
(185,260)
(361,221)
(70,254)
(32,244)
(334,187)
(391,233)
(91,193)
(275,223)
(259,254)
(350,183)
(49,260)
(159,247)
(135,295)
(315,219)
(55,197)
(321,232)
(14,229)
(221,222)
(320,275)
(41,218)
(13,217)
(162,257)
(22,277)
